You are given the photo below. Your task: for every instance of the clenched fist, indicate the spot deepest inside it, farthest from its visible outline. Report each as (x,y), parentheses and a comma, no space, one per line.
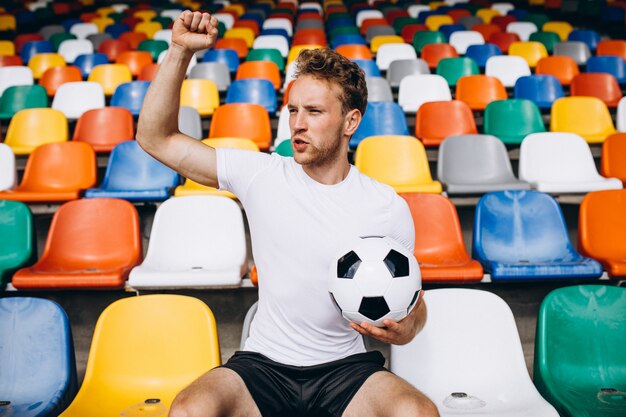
(194,31)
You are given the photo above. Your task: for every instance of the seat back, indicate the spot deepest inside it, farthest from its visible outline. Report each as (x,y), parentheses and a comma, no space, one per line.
(616,47)
(420,39)
(30,128)
(153,47)
(416,90)
(269,55)
(70,49)
(564,68)
(432,53)
(242,120)
(104,128)
(190,122)
(400,68)
(479,90)
(578,51)
(39,63)
(590,37)
(253,91)
(531,51)
(110,76)
(21,97)
(602,226)
(588,117)
(437,120)
(55,76)
(380,118)
(548,39)
(613,160)
(75,98)
(259,69)
(389,52)
(454,68)
(18,246)
(86,62)
(600,85)
(512,120)
(134,60)
(507,68)
(562,29)
(15,75)
(8,172)
(217,72)
(378,89)
(226,56)
(461,40)
(543,90)
(614,65)
(113,47)
(130,95)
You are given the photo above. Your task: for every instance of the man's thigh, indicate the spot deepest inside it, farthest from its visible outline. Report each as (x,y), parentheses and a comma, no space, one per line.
(219,392)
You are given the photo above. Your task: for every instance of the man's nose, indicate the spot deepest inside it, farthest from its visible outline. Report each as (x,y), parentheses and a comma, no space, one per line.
(299,121)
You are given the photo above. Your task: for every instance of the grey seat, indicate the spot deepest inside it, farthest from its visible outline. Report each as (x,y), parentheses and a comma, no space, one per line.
(374,31)
(97,38)
(214,71)
(189,122)
(402,67)
(46,32)
(309,24)
(378,89)
(245,331)
(476,164)
(470,21)
(577,50)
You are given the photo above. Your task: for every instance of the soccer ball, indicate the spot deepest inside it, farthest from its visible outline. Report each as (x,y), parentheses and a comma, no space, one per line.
(374,278)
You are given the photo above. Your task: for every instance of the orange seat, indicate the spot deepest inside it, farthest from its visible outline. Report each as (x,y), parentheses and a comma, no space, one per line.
(486,29)
(104,128)
(564,68)
(439,246)
(354,51)
(503,40)
(248,24)
(238,44)
(55,76)
(375,21)
(55,172)
(148,72)
(613,161)
(113,47)
(602,230)
(612,47)
(436,120)
(597,84)
(10,61)
(432,53)
(134,60)
(242,120)
(309,37)
(91,244)
(266,70)
(479,90)
(133,38)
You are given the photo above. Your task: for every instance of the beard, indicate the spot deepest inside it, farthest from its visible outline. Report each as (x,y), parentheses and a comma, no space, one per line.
(322,154)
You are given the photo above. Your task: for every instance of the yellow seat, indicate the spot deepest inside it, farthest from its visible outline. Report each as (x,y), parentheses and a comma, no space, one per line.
(193,188)
(145,15)
(434,5)
(588,117)
(246,34)
(296,49)
(531,51)
(102,22)
(149,28)
(144,351)
(487,14)
(7,48)
(39,63)
(109,76)
(433,22)
(30,128)
(201,94)
(7,22)
(398,161)
(380,40)
(560,28)
(237,8)
(105,11)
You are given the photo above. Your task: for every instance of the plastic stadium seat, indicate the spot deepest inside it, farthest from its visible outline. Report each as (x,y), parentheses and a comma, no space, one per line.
(479,90)
(113,47)
(564,68)
(21,97)
(432,53)
(531,51)
(507,69)
(272,41)
(134,60)
(242,120)
(41,378)
(439,246)
(573,171)
(478,379)
(201,94)
(614,65)
(368,66)
(463,39)
(522,29)
(613,160)
(70,49)
(380,118)
(512,120)
(400,68)
(148,28)
(454,68)
(367,14)
(237,44)
(588,117)
(590,37)
(578,51)
(110,76)
(56,76)
(481,53)
(228,57)
(437,120)
(420,39)
(600,85)
(393,51)
(415,90)
(15,75)
(148,72)
(434,22)
(30,128)
(59,38)
(174,341)
(39,63)
(543,90)
(503,40)
(485,29)
(378,89)
(104,128)
(34,47)
(476,164)
(252,90)
(521,235)
(259,69)
(18,246)
(163,35)
(87,62)
(563,29)
(353,52)
(225,18)
(75,98)
(130,95)
(585,378)
(398,161)
(382,31)
(190,122)
(195,242)
(8,172)
(284,148)
(269,55)
(348,39)
(82,30)
(616,47)
(11,61)
(487,14)
(548,39)
(283,132)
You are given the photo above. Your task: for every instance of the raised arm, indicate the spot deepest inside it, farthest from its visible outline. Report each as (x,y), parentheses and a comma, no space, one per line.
(157,129)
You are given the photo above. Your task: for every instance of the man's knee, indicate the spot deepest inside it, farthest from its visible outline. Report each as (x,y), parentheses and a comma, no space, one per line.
(414,405)
(185,405)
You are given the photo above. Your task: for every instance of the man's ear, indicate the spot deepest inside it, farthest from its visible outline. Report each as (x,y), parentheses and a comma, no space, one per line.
(352,121)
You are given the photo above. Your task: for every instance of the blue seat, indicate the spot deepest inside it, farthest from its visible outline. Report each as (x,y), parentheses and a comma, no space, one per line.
(38,372)
(116,29)
(254,16)
(521,235)
(481,53)
(368,66)
(614,65)
(613,15)
(134,175)
(519,14)
(590,37)
(35,47)
(86,62)
(339,22)
(380,118)
(542,90)
(68,23)
(348,39)
(130,95)
(448,30)
(225,56)
(253,90)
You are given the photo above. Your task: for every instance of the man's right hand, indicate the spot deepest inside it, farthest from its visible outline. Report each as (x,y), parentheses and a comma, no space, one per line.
(194,31)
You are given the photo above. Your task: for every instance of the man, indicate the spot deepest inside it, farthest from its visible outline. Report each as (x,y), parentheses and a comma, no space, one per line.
(302,358)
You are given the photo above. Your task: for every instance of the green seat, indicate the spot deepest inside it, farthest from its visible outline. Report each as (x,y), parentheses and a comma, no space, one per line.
(537,18)
(548,39)
(580,351)
(117,16)
(165,21)
(221,29)
(270,54)
(21,97)
(401,22)
(57,38)
(344,30)
(155,47)
(284,148)
(511,120)
(454,68)
(425,37)
(17,239)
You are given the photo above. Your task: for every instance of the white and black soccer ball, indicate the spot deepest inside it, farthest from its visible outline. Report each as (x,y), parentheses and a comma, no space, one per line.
(374,278)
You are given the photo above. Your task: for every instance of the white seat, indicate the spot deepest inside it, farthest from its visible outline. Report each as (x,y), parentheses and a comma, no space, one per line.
(279,23)
(283,132)
(17,75)
(190,122)
(8,173)
(367,14)
(195,242)
(503,8)
(507,68)
(171,13)
(462,39)
(71,48)
(215,71)
(272,41)
(468,358)
(311,5)
(227,19)
(415,9)
(393,51)
(522,29)
(621,115)
(75,98)
(416,90)
(290,72)
(82,30)
(247,322)
(557,162)
(119,7)
(378,89)
(163,35)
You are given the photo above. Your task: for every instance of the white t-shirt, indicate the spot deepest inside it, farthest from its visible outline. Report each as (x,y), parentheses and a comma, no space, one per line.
(297,226)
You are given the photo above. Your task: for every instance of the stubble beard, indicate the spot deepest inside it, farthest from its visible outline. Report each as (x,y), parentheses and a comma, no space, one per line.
(317,156)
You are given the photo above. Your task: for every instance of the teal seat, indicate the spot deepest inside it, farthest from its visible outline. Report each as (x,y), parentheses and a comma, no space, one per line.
(18,247)
(512,120)
(284,148)
(21,97)
(454,68)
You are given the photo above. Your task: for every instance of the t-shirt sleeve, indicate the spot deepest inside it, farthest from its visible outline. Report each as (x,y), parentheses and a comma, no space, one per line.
(236,169)
(402,226)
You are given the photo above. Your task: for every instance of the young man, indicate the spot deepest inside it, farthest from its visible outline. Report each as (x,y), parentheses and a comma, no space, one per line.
(302,358)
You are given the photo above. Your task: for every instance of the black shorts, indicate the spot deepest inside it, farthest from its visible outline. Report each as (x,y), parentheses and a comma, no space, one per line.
(304,391)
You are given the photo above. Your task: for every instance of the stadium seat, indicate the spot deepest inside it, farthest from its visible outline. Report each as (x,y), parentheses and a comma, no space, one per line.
(163,35)
(174,341)
(134,175)
(217,72)
(109,76)
(283,132)
(597,84)
(613,158)
(454,68)
(34,47)
(588,117)
(449,29)
(548,39)
(614,65)
(190,122)
(70,49)
(134,60)
(573,171)
(104,128)
(353,52)
(564,68)
(11,61)
(507,68)
(531,51)
(481,53)
(463,39)
(284,148)
(432,53)
(237,44)
(75,98)
(41,379)
(30,128)
(130,95)
(434,22)
(380,118)
(478,379)
(39,63)
(521,235)
(113,47)
(148,28)
(55,76)
(400,68)
(225,56)
(420,39)
(616,47)
(398,161)
(18,246)
(368,66)
(242,120)
(86,62)
(437,120)
(522,29)
(476,164)
(415,90)
(378,89)
(383,32)
(253,91)
(543,90)
(272,41)
(195,242)
(15,75)
(153,47)
(485,29)
(585,378)
(439,246)
(269,55)
(390,52)
(22,97)
(259,69)
(590,37)
(563,29)
(503,40)
(8,171)
(479,90)
(201,94)
(148,72)
(512,120)
(578,51)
